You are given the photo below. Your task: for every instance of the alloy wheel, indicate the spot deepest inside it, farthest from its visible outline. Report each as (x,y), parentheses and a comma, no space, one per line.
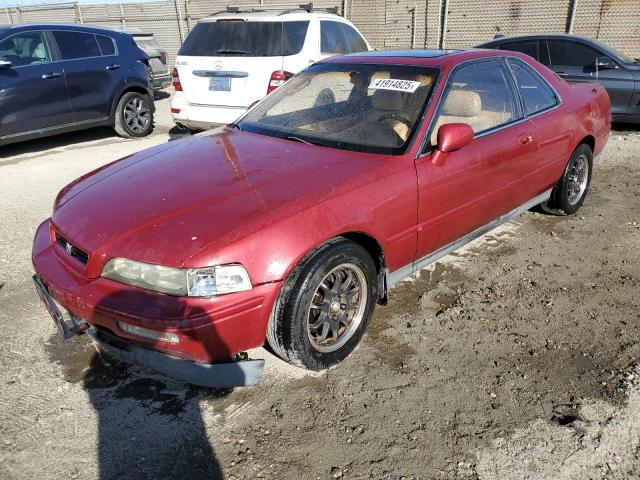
(137,115)
(337,308)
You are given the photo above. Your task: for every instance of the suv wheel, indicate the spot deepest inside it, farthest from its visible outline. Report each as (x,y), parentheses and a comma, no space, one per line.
(325,306)
(134,115)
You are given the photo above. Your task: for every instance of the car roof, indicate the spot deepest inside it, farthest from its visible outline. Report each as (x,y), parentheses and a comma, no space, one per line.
(414,53)
(431,58)
(273,16)
(537,36)
(58,26)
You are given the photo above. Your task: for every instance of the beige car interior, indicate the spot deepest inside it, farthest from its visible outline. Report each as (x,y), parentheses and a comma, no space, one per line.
(465,106)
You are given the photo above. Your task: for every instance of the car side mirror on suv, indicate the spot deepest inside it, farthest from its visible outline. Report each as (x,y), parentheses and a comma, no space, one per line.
(605,63)
(451,137)
(4,64)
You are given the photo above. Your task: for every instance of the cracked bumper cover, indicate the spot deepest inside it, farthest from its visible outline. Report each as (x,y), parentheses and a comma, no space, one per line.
(215,375)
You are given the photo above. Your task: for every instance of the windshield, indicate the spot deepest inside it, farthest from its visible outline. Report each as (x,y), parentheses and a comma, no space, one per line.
(240,38)
(361,107)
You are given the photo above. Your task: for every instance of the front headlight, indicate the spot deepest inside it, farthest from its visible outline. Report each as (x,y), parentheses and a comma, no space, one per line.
(181,282)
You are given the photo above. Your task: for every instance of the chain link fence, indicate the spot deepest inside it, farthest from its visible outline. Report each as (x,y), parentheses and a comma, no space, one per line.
(387,24)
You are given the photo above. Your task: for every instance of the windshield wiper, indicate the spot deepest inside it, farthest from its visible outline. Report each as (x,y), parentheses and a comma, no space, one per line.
(301,140)
(223,51)
(235,125)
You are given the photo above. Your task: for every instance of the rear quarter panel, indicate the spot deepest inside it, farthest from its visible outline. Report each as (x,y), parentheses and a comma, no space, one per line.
(585,113)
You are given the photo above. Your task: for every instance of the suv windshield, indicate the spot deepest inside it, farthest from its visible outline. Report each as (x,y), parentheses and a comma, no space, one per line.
(237,37)
(361,107)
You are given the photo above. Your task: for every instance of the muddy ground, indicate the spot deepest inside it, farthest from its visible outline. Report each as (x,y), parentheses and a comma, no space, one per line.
(514,358)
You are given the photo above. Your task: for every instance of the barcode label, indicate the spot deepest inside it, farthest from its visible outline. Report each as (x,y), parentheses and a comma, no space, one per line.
(394,84)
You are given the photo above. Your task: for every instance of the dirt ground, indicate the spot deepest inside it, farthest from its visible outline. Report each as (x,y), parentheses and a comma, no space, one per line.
(514,358)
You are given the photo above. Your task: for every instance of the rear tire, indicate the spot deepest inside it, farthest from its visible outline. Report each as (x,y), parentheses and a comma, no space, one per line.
(569,193)
(325,306)
(134,115)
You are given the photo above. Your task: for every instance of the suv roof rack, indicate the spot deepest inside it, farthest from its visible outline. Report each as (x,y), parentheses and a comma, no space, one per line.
(281,9)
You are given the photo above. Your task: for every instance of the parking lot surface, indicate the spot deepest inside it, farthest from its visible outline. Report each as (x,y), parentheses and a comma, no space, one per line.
(513,358)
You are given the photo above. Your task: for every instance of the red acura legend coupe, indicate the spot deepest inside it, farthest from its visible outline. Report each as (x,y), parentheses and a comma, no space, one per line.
(288,226)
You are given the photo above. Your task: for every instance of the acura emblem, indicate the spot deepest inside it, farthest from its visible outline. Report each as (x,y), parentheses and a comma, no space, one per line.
(68,248)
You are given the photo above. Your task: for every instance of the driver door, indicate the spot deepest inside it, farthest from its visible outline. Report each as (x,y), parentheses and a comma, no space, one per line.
(492,175)
(33,93)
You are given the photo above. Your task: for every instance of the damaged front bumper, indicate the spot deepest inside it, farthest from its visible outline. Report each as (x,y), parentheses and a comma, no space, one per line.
(223,374)
(234,373)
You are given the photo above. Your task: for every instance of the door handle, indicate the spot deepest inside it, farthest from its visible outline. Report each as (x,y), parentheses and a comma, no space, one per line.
(526,139)
(112,67)
(49,76)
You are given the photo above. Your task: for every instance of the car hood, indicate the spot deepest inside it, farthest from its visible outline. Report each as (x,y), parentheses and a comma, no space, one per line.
(165,204)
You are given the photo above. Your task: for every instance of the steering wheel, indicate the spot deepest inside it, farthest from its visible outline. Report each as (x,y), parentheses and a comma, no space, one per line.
(398,117)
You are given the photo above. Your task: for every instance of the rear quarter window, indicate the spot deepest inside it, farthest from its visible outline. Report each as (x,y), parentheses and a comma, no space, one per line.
(537,95)
(332,40)
(106,44)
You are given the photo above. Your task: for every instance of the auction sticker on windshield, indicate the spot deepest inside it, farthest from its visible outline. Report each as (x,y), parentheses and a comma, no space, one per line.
(394,84)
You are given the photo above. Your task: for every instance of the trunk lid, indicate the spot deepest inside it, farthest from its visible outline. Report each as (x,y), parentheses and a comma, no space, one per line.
(226,80)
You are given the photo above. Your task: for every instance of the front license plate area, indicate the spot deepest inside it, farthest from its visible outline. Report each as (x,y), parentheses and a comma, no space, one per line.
(54,308)
(220,84)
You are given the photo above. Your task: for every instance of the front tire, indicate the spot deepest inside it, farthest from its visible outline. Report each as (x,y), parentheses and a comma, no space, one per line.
(569,193)
(325,306)
(134,115)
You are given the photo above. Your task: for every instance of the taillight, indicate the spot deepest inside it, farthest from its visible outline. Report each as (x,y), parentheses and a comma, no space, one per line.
(176,80)
(278,78)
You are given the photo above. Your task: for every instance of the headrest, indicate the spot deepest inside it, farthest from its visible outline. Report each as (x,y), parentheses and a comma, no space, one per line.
(387,100)
(462,103)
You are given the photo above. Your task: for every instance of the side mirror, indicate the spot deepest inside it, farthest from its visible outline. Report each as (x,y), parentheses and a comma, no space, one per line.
(4,64)
(451,137)
(605,63)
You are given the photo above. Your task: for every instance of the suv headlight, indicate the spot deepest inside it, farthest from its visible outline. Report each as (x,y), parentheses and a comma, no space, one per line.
(181,282)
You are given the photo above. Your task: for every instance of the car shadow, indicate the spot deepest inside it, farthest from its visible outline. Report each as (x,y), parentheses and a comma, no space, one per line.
(45,144)
(149,425)
(625,127)
(177,133)
(161,95)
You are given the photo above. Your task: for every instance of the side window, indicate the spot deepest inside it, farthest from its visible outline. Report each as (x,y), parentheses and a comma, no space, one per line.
(331,38)
(355,42)
(294,35)
(25,49)
(528,48)
(536,93)
(107,47)
(479,95)
(76,44)
(571,54)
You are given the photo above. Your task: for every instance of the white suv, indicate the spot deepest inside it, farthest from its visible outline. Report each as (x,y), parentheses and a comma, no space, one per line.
(233,59)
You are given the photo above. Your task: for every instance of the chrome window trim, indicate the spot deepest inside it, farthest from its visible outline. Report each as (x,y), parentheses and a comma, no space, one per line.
(423,150)
(46,41)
